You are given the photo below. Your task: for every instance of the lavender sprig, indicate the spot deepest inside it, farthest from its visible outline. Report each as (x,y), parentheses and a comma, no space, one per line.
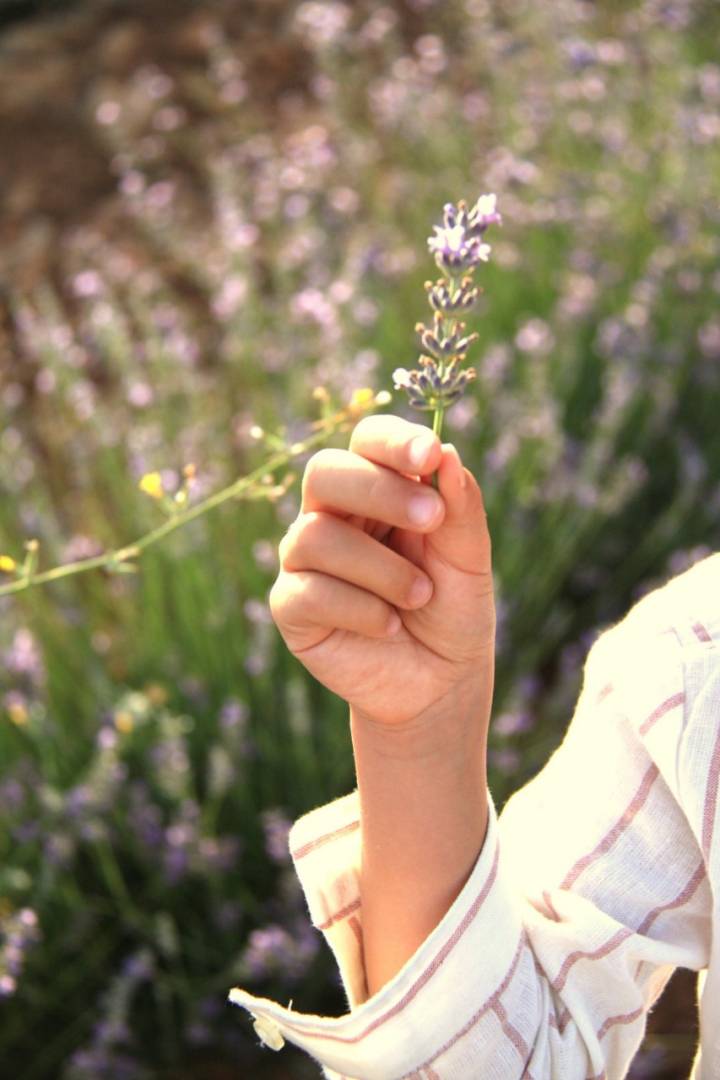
(459,247)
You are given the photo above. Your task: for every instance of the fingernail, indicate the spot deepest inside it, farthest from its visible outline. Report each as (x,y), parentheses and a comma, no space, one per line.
(420,591)
(419,449)
(421,509)
(393,625)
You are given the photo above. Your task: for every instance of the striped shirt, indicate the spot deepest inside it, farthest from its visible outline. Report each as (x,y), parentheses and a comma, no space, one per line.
(599,878)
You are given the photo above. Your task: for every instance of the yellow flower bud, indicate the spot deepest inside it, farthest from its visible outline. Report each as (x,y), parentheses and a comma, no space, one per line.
(7,564)
(124,721)
(361,401)
(18,713)
(151,483)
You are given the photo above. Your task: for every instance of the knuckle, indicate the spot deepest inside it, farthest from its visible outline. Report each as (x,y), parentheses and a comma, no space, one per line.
(364,429)
(283,548)
(313,523)
(321,461)
(288,541)
(304,538)
(302,597)
(289,596)
(277,598)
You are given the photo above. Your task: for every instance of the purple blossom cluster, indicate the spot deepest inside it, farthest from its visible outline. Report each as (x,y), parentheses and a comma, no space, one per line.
(275,951)
(458,244)
(19,932)
(458,247)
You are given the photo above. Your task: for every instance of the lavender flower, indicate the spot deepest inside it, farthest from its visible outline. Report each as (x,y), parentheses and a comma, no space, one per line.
(19,931)
(276,827)
(274,949)
(459,247)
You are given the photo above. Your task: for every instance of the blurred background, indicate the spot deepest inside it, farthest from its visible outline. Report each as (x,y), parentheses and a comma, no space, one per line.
(208,211)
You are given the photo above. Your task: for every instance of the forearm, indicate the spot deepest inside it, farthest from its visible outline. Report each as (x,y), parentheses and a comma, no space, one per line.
(423,806)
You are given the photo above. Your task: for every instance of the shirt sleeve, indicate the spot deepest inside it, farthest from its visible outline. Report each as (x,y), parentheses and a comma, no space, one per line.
(589,891)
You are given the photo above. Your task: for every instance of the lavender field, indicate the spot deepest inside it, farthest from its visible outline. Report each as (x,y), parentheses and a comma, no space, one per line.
(228,262)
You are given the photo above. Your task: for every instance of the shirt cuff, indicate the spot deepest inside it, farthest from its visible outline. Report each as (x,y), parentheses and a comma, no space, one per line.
(437,999)
(326,851)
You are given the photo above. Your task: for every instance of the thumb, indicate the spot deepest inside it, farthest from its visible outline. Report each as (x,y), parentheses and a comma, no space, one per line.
(462,539)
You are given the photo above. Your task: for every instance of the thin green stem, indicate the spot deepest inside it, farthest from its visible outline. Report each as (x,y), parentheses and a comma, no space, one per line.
(437,430)
(238,489)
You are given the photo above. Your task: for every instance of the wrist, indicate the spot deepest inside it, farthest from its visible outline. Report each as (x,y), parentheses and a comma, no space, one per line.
(450,726)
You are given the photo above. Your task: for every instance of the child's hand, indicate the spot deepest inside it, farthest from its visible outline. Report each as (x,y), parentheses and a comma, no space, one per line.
(345,599)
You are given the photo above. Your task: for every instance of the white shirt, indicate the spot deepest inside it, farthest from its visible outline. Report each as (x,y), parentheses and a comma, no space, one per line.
(599,878)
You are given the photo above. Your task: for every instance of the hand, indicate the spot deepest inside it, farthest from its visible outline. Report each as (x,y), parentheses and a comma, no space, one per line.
(349,599)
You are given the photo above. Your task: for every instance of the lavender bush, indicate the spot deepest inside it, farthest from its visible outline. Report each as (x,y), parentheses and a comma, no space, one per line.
(260,260)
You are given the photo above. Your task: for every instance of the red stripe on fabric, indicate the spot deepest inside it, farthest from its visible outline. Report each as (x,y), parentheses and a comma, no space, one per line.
(617,830)
(338,916)
(320,841)
(624,1018)
(701,633)
(666,707)
(510,1031)
(563,1020)
(607,689)
(558,1022)
(682,898)
(594,954)
(420,982)
(485,1008)
(711,796)
(551,907)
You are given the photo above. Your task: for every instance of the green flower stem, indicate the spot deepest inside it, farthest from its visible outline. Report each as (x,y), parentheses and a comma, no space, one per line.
(439,413)
(243,487)
(114,880)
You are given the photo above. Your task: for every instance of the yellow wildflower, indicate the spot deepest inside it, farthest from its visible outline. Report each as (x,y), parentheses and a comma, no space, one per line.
(124,722)
(362,399)
(151,483)
(7,564)
(365,398)
(18,713)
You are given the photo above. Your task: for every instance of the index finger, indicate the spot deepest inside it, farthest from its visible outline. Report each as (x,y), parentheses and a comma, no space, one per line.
(397,443)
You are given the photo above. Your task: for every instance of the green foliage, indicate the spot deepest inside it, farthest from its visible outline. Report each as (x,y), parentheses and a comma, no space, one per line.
(147,722)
